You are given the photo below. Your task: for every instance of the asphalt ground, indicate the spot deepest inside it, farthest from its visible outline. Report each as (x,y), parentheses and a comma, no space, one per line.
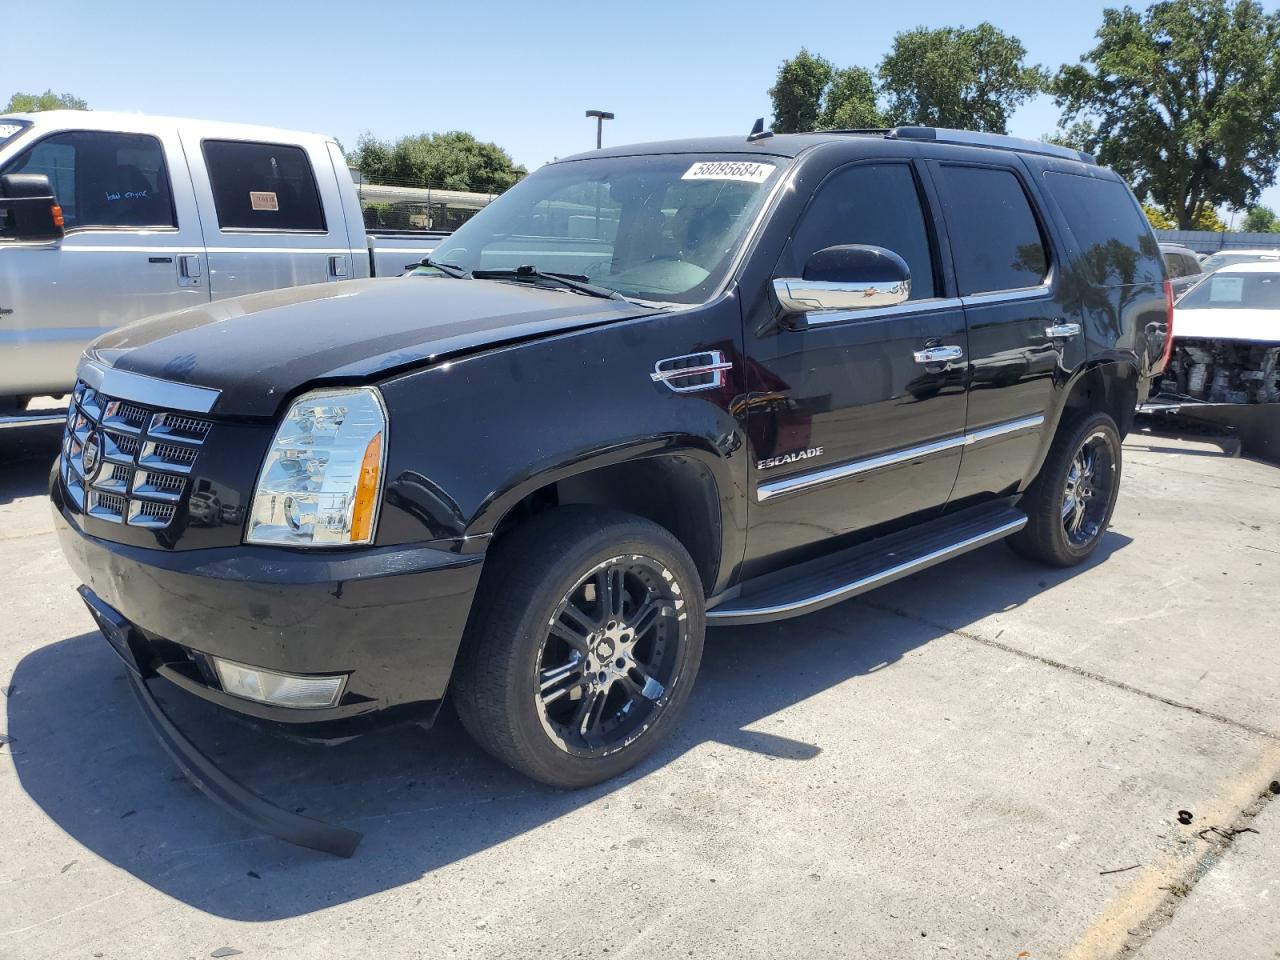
(985,760)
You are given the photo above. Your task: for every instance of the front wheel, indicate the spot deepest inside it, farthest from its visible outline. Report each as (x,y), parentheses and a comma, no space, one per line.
(582,650)
(1070,502)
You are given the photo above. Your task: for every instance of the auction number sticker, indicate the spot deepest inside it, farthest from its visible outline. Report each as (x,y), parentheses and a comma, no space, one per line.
(748,171)
(263,200)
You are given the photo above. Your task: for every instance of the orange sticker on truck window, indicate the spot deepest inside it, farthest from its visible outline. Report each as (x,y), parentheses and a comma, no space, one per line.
(263,200)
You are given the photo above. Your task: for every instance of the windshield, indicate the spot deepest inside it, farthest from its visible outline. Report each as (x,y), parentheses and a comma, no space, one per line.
(10,128)
(1220,260)
(1235,291)
(661,227)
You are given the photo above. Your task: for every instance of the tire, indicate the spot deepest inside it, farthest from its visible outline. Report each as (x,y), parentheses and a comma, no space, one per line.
(541,686)
(1054,534)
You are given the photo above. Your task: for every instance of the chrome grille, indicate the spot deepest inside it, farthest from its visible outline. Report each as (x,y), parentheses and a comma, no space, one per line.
(139,458)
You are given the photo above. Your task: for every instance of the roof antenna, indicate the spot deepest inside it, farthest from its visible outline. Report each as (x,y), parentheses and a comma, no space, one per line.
(758,132)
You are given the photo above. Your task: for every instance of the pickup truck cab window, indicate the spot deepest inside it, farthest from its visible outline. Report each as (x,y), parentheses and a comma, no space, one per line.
(663,227)
(263,186)
(995,239)
(107,180)
(870,203)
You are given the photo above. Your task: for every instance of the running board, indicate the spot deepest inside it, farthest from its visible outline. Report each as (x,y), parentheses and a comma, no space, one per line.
(39,418)
(828,580)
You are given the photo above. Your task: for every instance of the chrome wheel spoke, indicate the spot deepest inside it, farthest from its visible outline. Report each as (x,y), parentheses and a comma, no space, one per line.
(611,592)
(557,682)
(646,686)
(644,618)
(587,715)
(573,627)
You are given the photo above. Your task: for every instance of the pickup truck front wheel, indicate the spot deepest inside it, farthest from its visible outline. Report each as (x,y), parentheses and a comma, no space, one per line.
(583,645)
(1069,504)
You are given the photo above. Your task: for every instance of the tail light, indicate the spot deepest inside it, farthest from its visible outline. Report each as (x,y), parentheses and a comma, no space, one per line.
(58,220)
(1168,325)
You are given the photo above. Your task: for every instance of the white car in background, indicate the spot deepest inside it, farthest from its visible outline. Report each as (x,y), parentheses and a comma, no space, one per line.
(1224,364)
(1226,337)
(1227,258)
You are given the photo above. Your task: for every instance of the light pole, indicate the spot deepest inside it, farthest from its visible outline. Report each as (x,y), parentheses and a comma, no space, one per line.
(601,116)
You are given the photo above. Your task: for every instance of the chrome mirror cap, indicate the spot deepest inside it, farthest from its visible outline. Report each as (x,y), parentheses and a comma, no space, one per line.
(810,296)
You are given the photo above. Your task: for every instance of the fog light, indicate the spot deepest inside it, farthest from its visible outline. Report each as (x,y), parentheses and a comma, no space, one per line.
(281,689)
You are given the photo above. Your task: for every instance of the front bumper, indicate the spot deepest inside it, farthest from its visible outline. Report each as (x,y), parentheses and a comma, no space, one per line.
(391,618)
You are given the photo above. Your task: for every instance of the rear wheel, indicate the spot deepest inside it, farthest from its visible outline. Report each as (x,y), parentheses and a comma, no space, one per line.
(1069,504)
(583,647)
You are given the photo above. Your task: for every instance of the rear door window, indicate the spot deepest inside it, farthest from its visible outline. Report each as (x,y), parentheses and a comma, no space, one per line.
(101,179)
(869,203)
(263,186)
(1115,239)
(996,241)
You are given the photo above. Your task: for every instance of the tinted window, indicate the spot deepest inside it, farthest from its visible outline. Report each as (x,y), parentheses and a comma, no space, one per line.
(263,186)
(1190,266)
(1116,242)
(995,239)
(104,179)
(1175,263)
(876,204)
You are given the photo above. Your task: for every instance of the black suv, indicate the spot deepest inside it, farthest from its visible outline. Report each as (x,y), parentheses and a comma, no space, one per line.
(647,390)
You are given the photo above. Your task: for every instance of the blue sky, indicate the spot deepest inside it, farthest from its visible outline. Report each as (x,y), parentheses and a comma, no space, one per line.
(520,74)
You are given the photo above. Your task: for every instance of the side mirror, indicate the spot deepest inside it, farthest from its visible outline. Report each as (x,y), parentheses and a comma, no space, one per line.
(28,208)
(849,277)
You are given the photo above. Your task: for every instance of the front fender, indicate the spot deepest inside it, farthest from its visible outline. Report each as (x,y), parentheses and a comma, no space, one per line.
(470,439)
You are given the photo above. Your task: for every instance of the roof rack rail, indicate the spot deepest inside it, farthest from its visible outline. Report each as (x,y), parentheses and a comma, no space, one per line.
(997,141)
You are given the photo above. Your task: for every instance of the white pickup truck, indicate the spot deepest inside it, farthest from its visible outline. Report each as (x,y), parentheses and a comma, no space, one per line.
(106,218)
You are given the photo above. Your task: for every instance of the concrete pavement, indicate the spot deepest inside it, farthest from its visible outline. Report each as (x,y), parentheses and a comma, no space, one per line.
(985,760)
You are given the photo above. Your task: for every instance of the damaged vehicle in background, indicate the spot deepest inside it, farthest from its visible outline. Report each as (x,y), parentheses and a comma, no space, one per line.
(1225,362)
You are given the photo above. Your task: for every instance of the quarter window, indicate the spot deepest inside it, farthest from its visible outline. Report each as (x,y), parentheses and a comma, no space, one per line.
(104,179)
(874,204)
(996,242)
(1115,239)
(263,186)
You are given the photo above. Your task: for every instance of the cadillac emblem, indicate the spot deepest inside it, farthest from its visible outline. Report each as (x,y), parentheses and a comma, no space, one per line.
(91,456)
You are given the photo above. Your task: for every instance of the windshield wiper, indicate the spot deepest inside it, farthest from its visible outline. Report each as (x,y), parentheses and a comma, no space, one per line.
(574,281)
(448,269)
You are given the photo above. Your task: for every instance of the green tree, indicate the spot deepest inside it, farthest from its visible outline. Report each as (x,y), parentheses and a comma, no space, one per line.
(1260,220)
(849,102)
(972,79)
(1158,219)
(452,161)
(34,102)
(1183,100)
(797,93)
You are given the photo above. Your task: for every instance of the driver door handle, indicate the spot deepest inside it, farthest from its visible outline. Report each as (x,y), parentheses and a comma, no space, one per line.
(1060,331)
(942,354)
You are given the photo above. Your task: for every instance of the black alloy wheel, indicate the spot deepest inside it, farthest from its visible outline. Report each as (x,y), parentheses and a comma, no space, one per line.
(585,638)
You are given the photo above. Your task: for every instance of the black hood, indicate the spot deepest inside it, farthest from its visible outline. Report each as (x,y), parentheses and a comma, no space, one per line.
(260,348)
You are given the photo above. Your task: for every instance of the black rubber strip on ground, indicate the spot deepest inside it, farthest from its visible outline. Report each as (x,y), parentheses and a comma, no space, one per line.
(237,799)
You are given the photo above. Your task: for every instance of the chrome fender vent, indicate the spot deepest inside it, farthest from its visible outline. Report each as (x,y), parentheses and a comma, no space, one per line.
(692,372)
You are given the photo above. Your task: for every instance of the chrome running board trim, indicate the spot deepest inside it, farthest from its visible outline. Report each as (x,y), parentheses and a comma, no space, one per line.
(779,611)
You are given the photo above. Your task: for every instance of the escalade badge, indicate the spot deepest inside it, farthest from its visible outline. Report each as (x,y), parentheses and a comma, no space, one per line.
(91,455)
(792,457)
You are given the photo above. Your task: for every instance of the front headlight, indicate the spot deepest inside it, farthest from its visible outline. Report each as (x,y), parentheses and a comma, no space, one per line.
(320,482)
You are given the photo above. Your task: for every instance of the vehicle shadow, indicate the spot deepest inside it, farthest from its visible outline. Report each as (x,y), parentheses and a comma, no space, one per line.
(424,799)
(26,455)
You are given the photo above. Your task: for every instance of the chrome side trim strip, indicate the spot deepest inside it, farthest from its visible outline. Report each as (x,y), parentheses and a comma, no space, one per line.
(124,385)
(817,478)
(1002,429)
(836,594)
(1000,296)
(873,313)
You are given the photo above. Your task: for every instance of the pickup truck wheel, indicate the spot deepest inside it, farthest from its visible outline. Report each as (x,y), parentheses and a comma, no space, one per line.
(583,645)
(1070,502)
